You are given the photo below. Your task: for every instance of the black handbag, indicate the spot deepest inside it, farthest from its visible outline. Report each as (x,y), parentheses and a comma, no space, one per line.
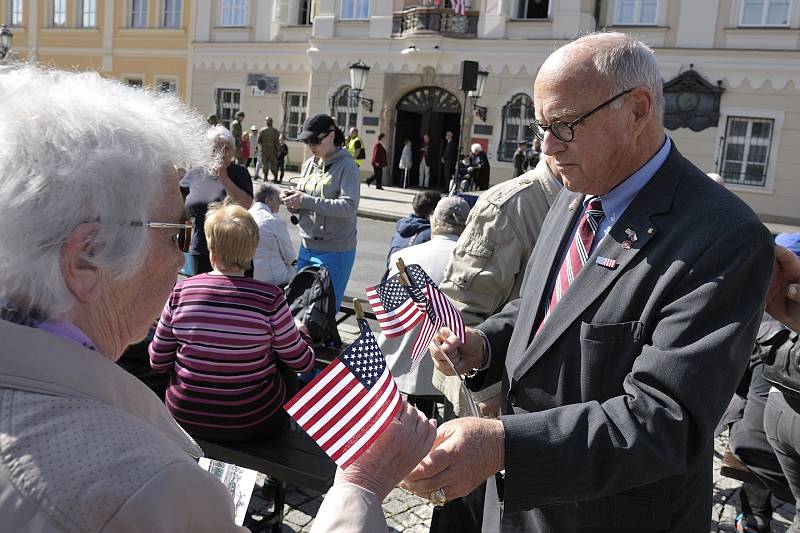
(780,352)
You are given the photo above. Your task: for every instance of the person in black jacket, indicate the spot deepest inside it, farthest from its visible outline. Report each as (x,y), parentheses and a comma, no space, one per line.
(479,167)
(416,227)
(450,156)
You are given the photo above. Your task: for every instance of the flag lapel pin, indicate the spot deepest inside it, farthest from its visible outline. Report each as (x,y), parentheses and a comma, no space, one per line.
(573,204)
(607,262)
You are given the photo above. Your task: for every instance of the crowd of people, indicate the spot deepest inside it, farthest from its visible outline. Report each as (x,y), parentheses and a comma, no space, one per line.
(603,345)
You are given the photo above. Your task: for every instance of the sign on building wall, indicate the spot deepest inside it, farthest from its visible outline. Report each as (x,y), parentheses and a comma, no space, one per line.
(261,84)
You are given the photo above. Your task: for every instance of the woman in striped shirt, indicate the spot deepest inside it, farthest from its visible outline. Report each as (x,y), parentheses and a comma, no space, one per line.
(223,336)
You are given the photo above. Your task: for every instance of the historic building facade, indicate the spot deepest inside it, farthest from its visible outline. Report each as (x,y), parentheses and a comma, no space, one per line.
(143,42)
(731,68)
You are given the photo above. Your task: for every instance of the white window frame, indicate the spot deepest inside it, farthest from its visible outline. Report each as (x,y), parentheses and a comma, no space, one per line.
(301,110)
(58,13)
(17,13)
(174,15)
(516,8)
(777,128)
(138,18)
(236,10)
(133,80)
(233,107)
(309,19)
(88,14)
(349,110)
(637,14)
(353,13)
(764,10)
(172,80)
(524,133)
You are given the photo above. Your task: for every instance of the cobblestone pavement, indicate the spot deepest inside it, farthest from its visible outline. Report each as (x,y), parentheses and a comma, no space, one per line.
(406,512)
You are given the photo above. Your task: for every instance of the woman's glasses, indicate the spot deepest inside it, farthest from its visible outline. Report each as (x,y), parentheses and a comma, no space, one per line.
(182,238)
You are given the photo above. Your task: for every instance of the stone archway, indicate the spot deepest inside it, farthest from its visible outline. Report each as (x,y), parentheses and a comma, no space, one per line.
(429,109)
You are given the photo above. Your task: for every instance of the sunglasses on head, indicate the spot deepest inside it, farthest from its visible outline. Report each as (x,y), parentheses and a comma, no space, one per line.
(313,141)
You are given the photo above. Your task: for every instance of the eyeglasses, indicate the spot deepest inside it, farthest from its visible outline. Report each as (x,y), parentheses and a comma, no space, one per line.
(565,131)
(313,141)
(182,239)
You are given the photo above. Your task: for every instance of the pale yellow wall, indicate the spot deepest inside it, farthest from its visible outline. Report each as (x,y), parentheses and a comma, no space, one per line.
(148,53)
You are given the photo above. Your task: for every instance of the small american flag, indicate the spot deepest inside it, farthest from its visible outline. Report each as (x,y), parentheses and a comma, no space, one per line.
(347,407)
(393,307)
(439,311)
(459,8)
(606,262)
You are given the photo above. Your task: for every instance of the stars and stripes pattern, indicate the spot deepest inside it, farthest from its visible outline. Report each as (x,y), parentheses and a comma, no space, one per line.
(576,256)
(347,407)
(606,262)
(396,311)
(439,311)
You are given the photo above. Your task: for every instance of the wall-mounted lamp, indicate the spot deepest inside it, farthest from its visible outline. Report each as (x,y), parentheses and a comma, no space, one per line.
(480,111)
(358,80)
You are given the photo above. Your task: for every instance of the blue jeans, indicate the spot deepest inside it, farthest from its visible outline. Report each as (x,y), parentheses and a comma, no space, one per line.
(339,265)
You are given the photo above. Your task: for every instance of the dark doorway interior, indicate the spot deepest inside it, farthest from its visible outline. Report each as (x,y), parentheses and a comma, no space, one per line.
(430,110)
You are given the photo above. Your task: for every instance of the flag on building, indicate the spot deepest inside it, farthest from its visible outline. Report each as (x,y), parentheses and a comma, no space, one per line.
(396,312)
(347,407)
(439,312)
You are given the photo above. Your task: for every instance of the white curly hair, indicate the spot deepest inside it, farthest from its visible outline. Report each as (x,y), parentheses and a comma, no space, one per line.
(76,148)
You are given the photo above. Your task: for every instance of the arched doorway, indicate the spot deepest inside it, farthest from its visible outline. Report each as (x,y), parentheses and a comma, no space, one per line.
(430,110)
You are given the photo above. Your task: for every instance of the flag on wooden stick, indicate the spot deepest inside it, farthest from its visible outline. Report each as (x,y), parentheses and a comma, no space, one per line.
(347,407)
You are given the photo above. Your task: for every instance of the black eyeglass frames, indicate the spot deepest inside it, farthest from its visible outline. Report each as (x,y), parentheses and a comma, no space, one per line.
(565,131)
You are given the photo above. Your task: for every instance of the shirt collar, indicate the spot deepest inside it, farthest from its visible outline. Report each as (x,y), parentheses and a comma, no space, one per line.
(617,200)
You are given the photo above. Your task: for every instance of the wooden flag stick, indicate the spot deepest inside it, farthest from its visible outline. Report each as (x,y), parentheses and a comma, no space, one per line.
(358,309)
(401,268)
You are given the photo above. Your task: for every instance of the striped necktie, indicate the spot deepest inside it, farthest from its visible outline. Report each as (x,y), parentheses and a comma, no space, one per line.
(576,256)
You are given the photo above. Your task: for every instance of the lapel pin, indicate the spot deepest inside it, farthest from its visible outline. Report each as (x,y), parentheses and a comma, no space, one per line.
(631,234)
(573,204)
(651,230)
(606,262)
(626,245)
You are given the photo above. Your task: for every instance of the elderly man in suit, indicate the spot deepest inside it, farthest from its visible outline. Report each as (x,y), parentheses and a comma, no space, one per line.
(637,314)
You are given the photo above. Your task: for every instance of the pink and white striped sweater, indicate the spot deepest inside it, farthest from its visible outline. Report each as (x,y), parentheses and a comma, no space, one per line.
(220,337)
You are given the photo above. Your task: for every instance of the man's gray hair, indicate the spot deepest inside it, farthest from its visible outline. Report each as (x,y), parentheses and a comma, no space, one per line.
(265,193)
(625,62)
(79,148)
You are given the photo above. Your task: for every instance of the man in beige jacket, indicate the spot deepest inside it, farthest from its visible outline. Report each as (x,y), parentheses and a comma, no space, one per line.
(484,273)
(486,269)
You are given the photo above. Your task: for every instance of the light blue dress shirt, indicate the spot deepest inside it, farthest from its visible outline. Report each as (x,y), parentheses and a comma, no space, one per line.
(617,200)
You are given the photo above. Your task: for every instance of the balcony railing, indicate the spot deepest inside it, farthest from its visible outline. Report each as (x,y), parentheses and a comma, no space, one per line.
(420,20)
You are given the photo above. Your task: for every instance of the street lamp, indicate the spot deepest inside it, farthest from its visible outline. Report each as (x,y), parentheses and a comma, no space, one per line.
(5,42)
(358,80)
(478,93)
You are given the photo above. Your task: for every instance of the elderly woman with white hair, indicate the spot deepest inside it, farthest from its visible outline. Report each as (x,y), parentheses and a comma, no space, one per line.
(479,167)
(274,261)
(211,183)
(91,218)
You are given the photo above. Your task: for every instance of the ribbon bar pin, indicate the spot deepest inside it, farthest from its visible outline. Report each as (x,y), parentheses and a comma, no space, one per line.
(606,262)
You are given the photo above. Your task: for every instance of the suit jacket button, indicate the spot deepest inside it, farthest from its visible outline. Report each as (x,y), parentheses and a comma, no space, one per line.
(512,399)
